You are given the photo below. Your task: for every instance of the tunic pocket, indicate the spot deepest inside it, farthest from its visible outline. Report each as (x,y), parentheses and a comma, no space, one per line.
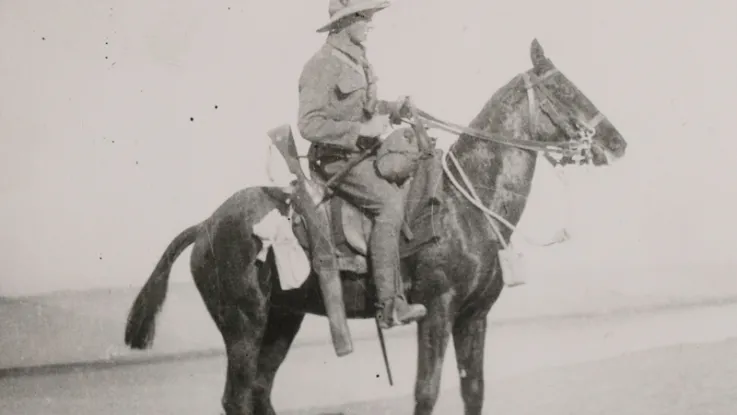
(351,81)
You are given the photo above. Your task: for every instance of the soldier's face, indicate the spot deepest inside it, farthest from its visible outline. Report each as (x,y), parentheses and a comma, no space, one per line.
(358,30)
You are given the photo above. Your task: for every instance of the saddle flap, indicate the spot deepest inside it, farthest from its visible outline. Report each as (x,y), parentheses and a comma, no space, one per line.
(356,227)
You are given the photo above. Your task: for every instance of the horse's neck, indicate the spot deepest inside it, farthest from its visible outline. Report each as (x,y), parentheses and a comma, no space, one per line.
(501,175)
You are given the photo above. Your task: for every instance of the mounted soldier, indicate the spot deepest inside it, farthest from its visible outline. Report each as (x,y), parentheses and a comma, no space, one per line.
(340,113)
(457,257)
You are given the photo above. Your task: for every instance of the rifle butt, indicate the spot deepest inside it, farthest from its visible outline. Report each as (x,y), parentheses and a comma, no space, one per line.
(332,293)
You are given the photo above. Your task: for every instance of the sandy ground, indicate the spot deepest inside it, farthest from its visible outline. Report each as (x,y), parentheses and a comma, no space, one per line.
(660,362)
(88,326)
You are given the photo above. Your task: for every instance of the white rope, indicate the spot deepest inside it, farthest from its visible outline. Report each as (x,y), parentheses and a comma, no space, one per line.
(474,199)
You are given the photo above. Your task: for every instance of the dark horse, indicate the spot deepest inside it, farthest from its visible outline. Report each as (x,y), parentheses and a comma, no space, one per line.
(458,278)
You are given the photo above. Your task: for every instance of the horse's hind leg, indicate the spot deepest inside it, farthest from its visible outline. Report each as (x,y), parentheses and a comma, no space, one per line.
(242,325)
(237,300)
(242,335)
(281,329)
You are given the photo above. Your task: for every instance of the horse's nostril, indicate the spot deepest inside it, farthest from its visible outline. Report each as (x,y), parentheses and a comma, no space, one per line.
(617,144)
(620,145)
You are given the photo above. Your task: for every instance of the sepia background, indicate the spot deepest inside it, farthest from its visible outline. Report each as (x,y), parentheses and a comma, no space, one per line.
(124,122)
(121,123)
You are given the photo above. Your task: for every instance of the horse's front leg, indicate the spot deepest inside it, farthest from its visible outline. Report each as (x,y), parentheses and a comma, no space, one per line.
(433,333)
(469,335)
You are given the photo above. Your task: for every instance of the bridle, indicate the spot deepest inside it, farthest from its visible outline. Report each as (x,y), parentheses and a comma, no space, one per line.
(576,148)
(581,134)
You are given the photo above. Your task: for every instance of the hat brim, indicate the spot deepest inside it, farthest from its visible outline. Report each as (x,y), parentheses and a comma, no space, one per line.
(360,7)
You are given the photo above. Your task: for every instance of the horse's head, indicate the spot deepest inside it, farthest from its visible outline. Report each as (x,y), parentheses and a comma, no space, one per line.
(570,112)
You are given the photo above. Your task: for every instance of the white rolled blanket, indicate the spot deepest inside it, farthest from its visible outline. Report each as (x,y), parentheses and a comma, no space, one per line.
(293,265)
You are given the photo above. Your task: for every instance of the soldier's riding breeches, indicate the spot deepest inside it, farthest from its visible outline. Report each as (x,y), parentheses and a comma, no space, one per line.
(384,202)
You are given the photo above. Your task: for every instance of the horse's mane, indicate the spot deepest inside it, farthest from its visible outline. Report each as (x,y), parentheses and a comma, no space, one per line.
(495,103)
(507,89)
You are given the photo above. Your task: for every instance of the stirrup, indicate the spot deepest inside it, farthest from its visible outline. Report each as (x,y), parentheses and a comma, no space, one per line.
(384,321)
(393,320)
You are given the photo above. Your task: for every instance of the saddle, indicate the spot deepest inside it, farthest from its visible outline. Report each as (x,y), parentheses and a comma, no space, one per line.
(350,227)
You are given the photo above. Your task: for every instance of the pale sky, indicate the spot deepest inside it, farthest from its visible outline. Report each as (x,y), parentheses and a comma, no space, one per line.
(101,166)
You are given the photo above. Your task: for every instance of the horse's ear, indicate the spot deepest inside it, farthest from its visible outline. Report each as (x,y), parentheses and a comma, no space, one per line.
(537,54)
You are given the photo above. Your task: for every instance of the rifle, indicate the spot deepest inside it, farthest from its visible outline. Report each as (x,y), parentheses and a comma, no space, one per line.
(323,251)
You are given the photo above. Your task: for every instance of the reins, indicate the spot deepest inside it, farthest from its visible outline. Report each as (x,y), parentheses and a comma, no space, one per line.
(578,139)
(532,145)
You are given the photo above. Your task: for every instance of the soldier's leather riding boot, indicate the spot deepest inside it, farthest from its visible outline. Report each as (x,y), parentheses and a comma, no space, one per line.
(384,244)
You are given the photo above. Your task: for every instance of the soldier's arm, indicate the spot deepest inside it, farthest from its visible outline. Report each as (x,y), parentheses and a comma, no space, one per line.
(316,85)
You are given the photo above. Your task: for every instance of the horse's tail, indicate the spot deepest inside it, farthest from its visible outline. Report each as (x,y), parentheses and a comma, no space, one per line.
(140,329)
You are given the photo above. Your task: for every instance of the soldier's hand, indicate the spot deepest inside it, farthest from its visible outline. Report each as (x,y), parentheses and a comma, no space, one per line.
(376,126)
(403,107)
(398,109)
